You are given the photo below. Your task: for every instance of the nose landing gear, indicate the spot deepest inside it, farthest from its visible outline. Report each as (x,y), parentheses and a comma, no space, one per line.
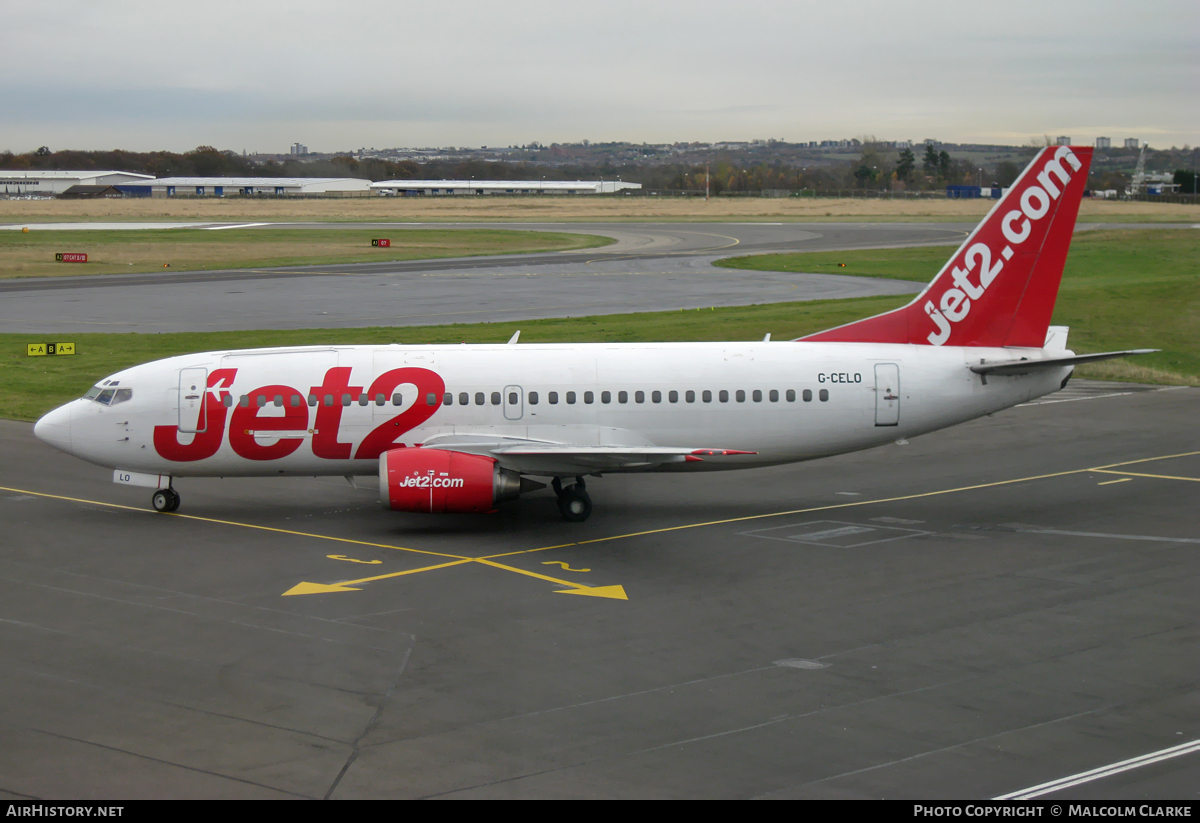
(165,500)
(574,503)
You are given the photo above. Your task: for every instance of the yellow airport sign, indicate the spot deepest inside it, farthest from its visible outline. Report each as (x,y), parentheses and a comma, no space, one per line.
(48,349)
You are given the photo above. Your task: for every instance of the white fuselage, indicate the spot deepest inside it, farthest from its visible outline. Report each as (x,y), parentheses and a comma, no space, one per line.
(332,410)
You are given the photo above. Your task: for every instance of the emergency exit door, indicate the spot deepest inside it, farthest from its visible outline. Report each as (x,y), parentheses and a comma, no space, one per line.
(887,394)
(193,385)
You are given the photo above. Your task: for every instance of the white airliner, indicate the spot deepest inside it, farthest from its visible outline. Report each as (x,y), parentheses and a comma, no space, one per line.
(462,428)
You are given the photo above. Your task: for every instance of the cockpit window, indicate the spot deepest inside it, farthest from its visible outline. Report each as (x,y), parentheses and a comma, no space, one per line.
(109,396)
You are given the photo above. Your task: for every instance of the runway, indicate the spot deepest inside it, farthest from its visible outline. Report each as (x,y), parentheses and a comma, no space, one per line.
(979,612)
(650,267)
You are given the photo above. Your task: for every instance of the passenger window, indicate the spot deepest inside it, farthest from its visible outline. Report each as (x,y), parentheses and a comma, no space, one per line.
(605,397)
(448,399)
(295,401)
(723,396)
(807,395)
(244,401)
(552,398)
(312,400)
(570,398)
(639,397)
(774,395)
(261,400)
(757,396)
(363,400)
(397,399)
(656,397)
(125,394)
(329,400)
(227,401)
(741,395)
(512,398)
(533,398)
(495,398)
(824,395)
(589,398)
(673,397)
(479,398)
(431,399)
(706,396)
(622,397)
(380,399)
(464,399)
(346,400)
(690,396)
(278,400)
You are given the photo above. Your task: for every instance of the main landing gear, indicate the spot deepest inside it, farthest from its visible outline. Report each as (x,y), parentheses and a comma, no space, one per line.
(573,502)
(165,500)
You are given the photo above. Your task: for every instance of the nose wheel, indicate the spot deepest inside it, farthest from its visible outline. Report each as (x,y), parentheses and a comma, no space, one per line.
(574,503)
(165,500)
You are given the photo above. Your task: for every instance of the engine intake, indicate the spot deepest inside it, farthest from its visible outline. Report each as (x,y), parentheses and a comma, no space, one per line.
(434,480)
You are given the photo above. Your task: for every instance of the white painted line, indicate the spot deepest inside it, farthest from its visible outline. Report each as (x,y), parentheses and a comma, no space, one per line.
(1073,399)
(1149,537)
(1103,771)
(238,226)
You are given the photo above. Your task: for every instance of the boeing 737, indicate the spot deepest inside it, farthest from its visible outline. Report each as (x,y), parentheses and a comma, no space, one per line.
(461,428)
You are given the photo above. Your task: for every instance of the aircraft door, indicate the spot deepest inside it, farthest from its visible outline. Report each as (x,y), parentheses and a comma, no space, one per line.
(887,394)
(193,389)
(514,402)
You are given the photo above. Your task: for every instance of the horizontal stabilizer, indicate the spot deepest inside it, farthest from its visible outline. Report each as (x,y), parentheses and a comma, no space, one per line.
(1027,366)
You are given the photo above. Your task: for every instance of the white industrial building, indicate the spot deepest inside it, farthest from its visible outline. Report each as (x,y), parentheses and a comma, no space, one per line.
(56,182)
(513,187)
(226,186)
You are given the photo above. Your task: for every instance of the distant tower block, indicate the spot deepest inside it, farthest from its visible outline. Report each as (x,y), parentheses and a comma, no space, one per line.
(1063,140)
(1132,143)
(1103,143)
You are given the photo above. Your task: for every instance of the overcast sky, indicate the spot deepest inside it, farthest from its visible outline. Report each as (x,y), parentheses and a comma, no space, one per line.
(261,74)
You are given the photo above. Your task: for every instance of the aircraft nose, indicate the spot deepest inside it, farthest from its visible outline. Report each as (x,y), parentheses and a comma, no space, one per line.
(55,428)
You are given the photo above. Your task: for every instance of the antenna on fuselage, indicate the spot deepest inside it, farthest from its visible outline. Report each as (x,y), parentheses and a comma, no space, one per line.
(512,341)
(767,339)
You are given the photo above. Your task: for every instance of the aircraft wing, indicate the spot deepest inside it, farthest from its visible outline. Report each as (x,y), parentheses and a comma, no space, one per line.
(539,456)
(1027,366)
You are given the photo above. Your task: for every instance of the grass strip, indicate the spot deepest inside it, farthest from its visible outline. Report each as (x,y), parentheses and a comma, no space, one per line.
(125,251)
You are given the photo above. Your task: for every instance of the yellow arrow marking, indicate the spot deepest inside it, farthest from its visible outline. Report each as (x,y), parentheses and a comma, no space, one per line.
(614,592)
(1155,476)
(317,588)
(320,588)
(352,560)
(565,567)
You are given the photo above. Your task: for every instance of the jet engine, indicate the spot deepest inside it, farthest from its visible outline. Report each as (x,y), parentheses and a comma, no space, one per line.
(434,480)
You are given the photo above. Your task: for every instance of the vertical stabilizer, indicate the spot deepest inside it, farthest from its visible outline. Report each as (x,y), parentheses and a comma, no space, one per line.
(1000,286)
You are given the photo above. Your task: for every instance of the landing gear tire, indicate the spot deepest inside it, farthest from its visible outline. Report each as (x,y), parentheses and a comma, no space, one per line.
(574,504)
(165,500)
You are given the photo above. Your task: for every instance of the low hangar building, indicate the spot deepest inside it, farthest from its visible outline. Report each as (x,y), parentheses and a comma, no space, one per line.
(31,181)
(246,186)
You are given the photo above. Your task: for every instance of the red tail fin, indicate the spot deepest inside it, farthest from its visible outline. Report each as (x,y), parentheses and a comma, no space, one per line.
(999,288)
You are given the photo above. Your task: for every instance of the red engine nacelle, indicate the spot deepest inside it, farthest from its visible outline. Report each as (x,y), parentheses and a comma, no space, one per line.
(433,480)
